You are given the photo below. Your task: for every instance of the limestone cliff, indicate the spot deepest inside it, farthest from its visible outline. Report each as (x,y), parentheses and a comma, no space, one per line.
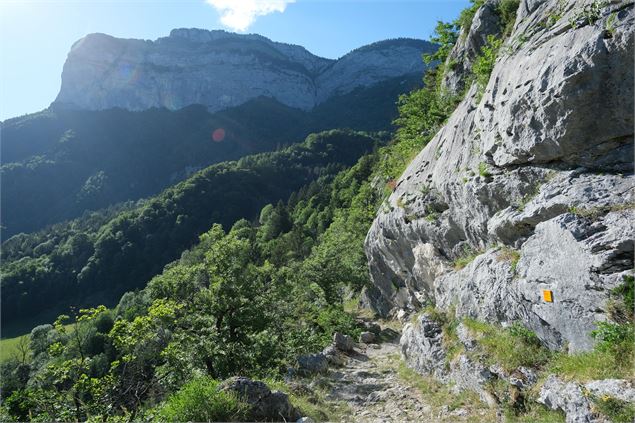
(533,178)
(220,69)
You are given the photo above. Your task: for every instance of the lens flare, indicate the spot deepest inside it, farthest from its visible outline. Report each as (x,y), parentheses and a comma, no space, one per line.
(218,135)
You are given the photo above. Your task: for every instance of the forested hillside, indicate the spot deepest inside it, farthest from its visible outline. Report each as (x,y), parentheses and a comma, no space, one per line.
(95,259)
(58,163)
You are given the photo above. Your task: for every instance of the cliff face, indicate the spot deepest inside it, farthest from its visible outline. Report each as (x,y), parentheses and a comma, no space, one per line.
(220,69)
(534,179)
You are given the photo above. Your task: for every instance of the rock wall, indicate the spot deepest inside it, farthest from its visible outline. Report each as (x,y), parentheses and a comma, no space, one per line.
(537,169)
(220,69)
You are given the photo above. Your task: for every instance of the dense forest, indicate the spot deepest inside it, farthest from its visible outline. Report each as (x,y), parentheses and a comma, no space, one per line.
(94,260)
(59,162)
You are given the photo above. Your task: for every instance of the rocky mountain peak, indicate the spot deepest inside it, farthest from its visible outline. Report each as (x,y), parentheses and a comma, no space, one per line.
(220,69)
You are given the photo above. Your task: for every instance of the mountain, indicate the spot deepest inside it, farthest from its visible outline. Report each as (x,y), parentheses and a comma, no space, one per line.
(219,69)
(60,162)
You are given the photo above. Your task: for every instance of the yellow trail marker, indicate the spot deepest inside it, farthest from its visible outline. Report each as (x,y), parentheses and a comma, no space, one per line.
(547,295)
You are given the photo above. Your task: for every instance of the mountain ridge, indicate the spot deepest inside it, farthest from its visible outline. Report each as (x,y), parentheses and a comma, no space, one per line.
(219,69)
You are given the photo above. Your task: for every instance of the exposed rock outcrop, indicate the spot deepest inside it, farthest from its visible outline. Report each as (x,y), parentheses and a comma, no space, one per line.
(264,404)
(220,69)
(533,179)
(576,400)
(459,63)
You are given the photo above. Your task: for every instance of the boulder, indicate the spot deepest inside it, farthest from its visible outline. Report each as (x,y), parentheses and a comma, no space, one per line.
(575,399)
(333,356)
(367,337)
(343,342)
(567,397)
(422,347)
(263,403)
(312,363)
(372,327)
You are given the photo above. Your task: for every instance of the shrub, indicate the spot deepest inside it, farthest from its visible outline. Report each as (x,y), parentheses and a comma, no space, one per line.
(483,170)
(199,400)
(614,337)
(510,348)
(507,12)
(485,61)
(616,410)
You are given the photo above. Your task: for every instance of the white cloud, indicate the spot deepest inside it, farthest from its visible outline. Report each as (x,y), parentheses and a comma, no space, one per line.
(240,14)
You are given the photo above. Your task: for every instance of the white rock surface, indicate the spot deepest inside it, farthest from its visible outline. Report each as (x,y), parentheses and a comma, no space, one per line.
(219,69)
(554,129)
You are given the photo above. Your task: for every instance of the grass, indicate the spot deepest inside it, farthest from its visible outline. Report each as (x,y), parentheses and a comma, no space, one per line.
(591,365)
(511,255)
(353,306)
(533,413)
(483,170)
(468,256)
(439,395)
(9,347)
(616,410)
(312,403)
(510,347)
(594,213)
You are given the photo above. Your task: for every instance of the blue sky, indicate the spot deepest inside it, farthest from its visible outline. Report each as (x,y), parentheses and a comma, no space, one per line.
(35,36)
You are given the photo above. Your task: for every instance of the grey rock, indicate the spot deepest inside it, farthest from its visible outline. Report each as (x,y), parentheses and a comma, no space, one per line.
(554,209)
(367,337)
(576,400)
(523,378)
(620,389)
(343,342)
(305,420)
(263,403)
(312,363)
(219,69)
(569,398)
(467,374)
(333,356)
(550,146)
(468,47)
(468,340)
(572,80)
(422,347)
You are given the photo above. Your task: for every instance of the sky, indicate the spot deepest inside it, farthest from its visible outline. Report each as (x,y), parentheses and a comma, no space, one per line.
(35,36)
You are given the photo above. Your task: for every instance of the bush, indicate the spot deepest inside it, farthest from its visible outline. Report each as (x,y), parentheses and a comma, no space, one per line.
(617,338)
(511,348)
(507,12)
(200,401)
(484,62)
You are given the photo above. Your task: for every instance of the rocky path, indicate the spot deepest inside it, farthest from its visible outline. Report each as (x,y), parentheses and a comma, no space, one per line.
(372,384)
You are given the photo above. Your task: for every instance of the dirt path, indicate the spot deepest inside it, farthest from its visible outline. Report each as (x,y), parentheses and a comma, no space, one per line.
(374,385)
(370,385)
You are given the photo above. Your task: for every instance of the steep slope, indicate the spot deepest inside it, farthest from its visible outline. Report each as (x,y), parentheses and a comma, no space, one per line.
(520,211)
(96,259)
(59,162)
(219,69)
